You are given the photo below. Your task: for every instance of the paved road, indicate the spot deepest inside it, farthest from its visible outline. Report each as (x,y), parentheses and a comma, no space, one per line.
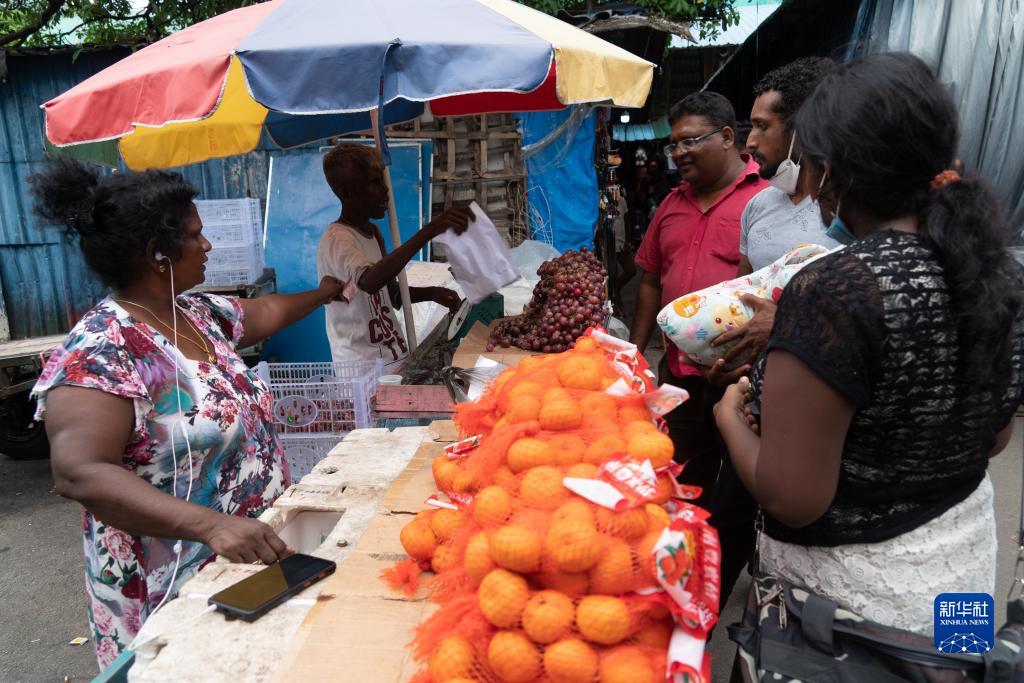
(42,596)
(41,583)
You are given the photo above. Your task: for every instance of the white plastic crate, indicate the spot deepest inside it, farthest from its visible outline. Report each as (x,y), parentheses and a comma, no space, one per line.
(235,228)
(322,398)
(234,265)
(231,222)
(304,451)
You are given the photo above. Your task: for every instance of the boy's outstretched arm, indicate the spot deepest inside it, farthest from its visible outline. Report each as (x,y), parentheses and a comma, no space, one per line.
(388,268)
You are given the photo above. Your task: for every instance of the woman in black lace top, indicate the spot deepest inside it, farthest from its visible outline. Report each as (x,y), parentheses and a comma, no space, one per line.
(894,366)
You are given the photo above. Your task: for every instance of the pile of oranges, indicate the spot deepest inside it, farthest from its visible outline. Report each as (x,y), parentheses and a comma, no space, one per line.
(536,583)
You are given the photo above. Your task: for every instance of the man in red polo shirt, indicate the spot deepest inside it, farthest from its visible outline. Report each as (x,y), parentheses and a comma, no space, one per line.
(693,242)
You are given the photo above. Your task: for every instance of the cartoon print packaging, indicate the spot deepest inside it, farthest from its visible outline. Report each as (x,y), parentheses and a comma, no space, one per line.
(693,320)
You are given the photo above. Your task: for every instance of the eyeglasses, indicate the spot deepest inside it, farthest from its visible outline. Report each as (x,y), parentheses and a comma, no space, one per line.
(687,144)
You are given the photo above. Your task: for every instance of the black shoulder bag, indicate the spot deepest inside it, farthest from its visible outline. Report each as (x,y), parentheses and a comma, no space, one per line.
(791,633)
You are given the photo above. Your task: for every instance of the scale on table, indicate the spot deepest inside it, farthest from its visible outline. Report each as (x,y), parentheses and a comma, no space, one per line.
(486,312)
(459,319)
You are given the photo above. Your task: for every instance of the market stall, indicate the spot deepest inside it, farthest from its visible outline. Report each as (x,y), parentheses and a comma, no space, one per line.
(261,68)
(547,462)
(212,90)
(336,512)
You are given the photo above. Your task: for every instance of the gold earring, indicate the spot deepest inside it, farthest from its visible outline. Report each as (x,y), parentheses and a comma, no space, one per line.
(163,269)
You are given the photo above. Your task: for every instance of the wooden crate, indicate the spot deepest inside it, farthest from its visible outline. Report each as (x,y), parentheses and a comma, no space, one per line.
(410,401)
(477,158)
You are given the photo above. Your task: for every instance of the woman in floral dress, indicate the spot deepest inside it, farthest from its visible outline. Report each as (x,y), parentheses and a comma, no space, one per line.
(156,426)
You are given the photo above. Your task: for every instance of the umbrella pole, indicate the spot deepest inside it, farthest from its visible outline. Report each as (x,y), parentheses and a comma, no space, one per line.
(396,238)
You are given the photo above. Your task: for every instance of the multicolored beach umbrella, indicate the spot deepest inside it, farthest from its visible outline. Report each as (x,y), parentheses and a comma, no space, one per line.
(305,70)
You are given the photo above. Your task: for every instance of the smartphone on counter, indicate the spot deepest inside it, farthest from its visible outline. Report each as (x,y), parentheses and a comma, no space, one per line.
(254,596)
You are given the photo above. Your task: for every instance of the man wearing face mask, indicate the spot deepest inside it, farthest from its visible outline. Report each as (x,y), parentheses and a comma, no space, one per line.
(773,223)
(781,217)
(693,242)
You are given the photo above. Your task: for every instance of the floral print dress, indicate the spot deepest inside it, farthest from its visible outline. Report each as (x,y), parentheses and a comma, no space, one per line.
(238,466)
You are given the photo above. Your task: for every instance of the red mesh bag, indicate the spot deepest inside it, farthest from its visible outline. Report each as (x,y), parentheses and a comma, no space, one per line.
(544,558)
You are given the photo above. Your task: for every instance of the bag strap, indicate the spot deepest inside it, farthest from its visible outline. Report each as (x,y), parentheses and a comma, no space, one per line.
(758,530)
(911,653)
(1015,596)
(817,622)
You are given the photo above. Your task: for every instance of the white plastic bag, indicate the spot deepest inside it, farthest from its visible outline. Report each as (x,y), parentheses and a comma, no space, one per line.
(531,255)
(479,258)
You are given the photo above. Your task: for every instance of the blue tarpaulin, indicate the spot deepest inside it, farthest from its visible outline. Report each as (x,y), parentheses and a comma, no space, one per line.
(561,180)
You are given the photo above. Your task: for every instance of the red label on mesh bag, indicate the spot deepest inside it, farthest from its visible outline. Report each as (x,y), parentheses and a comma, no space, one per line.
(680,491)
(456,500)
(634,479)
(688,561)
(461,449)
(627,361)
(687,656)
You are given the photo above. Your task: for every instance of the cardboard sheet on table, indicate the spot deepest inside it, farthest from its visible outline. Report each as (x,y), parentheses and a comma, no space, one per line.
(360,628)
(474,345)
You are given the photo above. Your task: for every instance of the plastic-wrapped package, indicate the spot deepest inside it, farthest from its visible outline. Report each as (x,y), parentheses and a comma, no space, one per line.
(693,320)
(531,255)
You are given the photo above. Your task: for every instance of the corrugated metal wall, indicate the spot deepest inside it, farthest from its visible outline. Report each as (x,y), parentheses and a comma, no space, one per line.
(45,284)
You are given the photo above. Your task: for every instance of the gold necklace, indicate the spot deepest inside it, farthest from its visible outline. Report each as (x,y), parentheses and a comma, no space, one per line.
(199,342)
(209,355)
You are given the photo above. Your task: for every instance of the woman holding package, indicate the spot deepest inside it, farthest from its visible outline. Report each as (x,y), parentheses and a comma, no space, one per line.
(156,425)
(894,366)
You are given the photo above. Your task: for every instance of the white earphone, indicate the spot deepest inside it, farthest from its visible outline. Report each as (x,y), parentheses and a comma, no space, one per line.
(177,547)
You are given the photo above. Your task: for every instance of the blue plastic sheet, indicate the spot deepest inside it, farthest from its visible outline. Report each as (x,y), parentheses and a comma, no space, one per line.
(561,180)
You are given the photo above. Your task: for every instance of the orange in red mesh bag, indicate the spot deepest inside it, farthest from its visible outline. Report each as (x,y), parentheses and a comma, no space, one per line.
(539,582)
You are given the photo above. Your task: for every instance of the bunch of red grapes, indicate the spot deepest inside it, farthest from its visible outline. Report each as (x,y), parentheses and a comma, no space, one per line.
(568,299)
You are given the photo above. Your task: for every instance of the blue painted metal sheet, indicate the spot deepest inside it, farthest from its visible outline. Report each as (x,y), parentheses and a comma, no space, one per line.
(45,283)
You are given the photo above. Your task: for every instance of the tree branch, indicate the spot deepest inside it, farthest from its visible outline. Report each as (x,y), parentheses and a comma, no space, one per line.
(52,7)
(101,19)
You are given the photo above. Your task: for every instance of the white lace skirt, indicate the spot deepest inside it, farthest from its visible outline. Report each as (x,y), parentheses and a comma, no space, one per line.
(895,582)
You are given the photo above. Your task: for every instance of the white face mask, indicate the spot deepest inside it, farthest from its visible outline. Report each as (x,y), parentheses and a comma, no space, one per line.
(789,172)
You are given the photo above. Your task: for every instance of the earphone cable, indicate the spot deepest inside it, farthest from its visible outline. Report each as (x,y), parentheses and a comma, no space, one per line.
(174,458)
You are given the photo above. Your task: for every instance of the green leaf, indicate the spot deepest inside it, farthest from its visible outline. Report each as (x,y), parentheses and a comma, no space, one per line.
(108,22)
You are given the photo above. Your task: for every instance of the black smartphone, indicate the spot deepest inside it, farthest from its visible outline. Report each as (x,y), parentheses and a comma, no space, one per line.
(254,596)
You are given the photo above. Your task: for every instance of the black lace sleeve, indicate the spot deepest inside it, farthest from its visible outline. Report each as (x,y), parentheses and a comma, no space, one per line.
(831,317)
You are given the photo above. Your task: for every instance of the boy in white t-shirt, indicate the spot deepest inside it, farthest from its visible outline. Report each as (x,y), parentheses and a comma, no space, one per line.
(352,250)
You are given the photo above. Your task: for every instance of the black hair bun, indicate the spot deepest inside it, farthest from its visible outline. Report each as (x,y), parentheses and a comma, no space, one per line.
(65,194)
